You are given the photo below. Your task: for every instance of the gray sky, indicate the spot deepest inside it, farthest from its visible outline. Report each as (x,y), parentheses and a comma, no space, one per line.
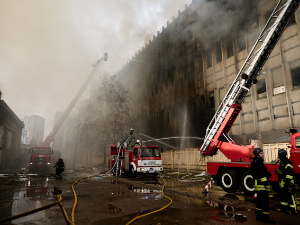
(47,47)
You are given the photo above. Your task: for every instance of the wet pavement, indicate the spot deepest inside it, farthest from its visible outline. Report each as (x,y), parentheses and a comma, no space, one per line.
(117,200)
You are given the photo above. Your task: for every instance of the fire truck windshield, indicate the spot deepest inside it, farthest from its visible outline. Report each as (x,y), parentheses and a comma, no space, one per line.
(149,152)
(41,151)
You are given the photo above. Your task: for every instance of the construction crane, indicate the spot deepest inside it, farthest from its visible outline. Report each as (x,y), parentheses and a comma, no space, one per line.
(51,135)
(231,174)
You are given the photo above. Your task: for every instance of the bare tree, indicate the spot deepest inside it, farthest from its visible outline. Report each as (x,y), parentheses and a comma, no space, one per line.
(105,118)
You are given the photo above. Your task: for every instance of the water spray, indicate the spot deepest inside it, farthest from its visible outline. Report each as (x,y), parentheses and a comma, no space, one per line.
(158,141)
(167,138)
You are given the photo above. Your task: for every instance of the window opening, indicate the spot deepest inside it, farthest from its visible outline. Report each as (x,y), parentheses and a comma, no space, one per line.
(295,73)
(261,86)
(212,100)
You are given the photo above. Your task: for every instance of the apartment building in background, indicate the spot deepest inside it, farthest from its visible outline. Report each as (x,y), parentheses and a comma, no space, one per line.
(33,132)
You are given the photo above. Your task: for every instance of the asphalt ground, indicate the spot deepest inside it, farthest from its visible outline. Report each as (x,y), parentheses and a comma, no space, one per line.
(105,199)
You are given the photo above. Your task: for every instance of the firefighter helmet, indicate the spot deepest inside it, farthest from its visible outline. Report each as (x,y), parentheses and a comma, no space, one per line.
(282,153)
(257,151)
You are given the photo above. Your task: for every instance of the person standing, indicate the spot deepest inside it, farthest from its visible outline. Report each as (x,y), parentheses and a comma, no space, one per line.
(60,167)
(286,183)
(261,185)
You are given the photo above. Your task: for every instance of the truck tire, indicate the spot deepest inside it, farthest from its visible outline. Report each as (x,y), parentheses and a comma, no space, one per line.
(247,182)
(228,180)
(132,172)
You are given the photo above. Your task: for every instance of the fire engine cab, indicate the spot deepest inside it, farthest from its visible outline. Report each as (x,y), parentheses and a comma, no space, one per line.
(139,159)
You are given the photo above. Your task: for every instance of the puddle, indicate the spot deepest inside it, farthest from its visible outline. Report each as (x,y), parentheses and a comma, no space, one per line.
(5,175)
(236,217)
(118,193)
(147,193)
(114,182)
(113,208)
(31,195)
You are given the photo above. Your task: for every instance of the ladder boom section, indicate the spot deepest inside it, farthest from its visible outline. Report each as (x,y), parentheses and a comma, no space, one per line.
(61,120)
(251,68)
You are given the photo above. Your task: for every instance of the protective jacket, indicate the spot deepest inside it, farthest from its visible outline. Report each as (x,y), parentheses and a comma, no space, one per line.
(260,175)
(287,176)
(60,165)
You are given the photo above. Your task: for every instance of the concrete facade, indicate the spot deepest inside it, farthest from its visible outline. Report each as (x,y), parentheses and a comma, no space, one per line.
(10,137)
(180,77)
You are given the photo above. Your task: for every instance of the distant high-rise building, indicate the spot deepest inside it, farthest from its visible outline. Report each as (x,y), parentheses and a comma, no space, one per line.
(33,132)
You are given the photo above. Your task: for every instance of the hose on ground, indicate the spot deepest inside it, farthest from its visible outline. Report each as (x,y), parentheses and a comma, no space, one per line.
(155,210)
(59,199)
(75,203)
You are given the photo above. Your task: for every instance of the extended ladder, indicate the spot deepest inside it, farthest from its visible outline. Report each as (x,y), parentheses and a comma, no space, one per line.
(252,66)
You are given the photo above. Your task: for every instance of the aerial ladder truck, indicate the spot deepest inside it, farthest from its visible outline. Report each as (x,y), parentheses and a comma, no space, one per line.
(40,156)
(232,175)
(134,159)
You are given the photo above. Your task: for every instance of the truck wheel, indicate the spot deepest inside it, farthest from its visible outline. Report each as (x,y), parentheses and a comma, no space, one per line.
(228,180)
(247,182)
(132,172)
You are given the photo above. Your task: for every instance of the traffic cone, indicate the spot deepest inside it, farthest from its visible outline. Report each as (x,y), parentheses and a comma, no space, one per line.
(208,186)
(255,195)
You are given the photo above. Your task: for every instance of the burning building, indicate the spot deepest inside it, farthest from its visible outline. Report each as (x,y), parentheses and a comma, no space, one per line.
(181,75)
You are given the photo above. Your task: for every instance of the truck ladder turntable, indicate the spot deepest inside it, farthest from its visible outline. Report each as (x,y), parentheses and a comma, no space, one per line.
(246,77)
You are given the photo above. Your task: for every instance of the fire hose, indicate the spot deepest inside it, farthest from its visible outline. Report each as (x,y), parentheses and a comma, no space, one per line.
(155,210)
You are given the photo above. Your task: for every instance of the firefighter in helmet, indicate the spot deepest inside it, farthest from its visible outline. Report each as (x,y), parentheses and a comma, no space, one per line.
(261,177)
(59,168)
(286,183)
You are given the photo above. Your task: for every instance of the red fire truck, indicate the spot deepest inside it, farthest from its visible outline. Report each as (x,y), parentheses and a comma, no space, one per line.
(40,158)
(232,175)
(138,159)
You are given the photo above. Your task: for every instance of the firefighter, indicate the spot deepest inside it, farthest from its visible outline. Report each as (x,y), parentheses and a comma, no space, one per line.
(261,185)
(286,183)
(60,167)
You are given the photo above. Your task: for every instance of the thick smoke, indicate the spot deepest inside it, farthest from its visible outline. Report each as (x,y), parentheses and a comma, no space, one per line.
(48,47)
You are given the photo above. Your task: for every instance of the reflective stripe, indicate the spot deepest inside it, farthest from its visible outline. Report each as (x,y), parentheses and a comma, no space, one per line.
(289,177)
(258,209)
(263,179)
(265,212)
(294,204)
(281,184)
(289,165)
(259,187)
(283,203)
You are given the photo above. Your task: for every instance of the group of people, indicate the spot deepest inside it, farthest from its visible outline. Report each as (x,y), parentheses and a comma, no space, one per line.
(262,187)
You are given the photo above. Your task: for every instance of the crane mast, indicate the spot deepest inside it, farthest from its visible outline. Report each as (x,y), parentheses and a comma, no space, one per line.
(52,133)
(229,109)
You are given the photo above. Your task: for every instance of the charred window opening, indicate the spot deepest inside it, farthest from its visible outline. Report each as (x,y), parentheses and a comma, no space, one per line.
(212,100)
(184,66)
(242,40)
(222,94)
(209,58)
(173,114)
(202,102)
(261,86)
(229,47)
(195,111)
(277,78)
(292,20)
(192,66)
(295,73)
(219,52)
(200,58)
(167,117)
